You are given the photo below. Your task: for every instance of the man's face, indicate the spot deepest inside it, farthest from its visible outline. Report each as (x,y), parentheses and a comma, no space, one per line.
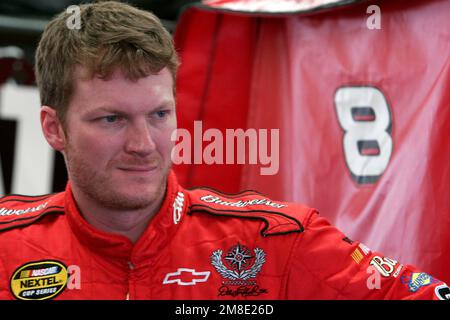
(118,142)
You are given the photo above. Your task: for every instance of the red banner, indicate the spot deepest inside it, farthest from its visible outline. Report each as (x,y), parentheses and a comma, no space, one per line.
(360,97)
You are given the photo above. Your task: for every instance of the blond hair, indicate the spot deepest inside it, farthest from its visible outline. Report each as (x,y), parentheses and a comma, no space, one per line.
(112,36)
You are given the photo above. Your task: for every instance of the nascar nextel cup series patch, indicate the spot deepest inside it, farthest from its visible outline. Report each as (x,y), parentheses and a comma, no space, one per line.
(39,280)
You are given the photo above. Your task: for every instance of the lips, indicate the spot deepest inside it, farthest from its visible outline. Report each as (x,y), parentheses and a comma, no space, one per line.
(139,169)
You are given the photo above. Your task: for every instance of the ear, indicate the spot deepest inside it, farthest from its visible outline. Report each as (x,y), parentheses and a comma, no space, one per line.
(52,128)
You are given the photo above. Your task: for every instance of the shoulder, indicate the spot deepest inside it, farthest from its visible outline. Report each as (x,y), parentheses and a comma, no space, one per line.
(279,217)
(20,210)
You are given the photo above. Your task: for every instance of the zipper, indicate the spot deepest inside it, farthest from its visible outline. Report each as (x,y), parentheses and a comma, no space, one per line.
(130,268)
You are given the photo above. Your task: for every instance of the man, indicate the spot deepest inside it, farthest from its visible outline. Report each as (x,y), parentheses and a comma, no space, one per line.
(125,229)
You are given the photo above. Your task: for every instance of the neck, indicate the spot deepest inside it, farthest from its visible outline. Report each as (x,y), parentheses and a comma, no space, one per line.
(129,223)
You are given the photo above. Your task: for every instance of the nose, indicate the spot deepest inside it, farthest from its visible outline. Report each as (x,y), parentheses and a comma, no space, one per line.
(139,138)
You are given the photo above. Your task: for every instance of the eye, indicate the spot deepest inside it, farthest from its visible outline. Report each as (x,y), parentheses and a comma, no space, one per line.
(111,118)
(161,114)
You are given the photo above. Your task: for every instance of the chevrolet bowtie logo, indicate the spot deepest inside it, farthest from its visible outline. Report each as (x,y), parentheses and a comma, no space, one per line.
(186,277)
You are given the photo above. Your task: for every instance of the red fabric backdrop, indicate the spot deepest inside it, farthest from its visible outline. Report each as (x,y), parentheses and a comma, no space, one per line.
(363,115)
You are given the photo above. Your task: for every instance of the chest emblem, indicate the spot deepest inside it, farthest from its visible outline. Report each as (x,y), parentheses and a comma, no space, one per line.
(239,269)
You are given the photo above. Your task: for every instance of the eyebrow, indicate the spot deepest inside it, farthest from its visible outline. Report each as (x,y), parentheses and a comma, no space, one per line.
(114,109)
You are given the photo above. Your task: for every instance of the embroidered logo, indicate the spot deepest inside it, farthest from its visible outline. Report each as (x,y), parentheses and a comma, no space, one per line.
(178,207)
(442,292)
(10,212)
(239,268)
(385,266)
(186,277)
(39,280)
(241,204)
(417,280)
(357,256)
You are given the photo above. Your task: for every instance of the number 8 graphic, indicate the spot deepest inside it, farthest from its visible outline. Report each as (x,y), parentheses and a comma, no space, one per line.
(364,115)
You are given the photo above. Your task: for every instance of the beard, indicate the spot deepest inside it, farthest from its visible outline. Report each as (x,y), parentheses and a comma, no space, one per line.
(99,185)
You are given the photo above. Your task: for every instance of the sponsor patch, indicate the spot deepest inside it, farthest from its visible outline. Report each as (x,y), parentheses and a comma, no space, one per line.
(385,266)
(417,280)
(442,292)
(364,249)
(19,212)
(359,253)
(239,269)
(186,277)
(39,280)
(357,256)
(178,207)
(397,272)
(241,204)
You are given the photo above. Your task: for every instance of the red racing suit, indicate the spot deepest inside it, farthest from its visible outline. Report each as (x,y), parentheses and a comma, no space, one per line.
(202,244)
